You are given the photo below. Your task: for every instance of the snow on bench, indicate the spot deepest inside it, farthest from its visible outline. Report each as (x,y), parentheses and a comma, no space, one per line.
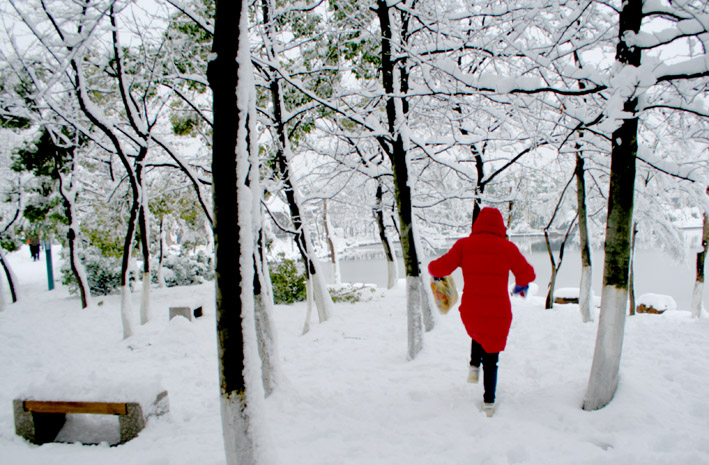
(566,295)
(189,309)
(655,303)
(40,411)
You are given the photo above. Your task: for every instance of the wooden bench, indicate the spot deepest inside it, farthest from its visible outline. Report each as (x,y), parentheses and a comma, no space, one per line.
(39,421)
(190,311)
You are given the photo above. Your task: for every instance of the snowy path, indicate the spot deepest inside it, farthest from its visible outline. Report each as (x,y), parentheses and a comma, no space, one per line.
(348,395)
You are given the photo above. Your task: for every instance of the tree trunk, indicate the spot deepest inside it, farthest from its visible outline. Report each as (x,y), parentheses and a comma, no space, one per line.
(331,245)
(556,266)
(223,76)
(631,272)
(263,291)
(75,264)
(69,199)
(392,271)
(9,275)
(586,267)
(549,302)
(145,248)
(323,300)
(603,380)
(263,305)
(394,147)
(126,304)
(701,258)
(161,256)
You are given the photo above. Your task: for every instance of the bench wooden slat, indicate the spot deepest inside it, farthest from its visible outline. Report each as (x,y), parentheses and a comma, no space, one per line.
(106,408)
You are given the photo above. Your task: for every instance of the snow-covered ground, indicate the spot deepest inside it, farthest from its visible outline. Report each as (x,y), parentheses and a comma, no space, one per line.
(347,393)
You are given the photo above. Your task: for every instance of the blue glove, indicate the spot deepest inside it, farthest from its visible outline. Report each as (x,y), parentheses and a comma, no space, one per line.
(520,290)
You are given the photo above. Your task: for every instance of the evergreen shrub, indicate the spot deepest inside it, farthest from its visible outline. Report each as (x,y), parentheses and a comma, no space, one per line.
(288,281)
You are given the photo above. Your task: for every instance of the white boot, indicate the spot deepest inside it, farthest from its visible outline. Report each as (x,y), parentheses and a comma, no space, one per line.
(473,374)
(489,409)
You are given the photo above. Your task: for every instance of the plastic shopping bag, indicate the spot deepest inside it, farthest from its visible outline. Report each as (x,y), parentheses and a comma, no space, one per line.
(444,293)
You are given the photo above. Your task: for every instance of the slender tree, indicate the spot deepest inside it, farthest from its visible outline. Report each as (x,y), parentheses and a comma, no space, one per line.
(392,269)
(585,289)
(701,258)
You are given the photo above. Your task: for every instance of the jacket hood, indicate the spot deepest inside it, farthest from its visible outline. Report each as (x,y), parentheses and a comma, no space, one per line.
(490,221)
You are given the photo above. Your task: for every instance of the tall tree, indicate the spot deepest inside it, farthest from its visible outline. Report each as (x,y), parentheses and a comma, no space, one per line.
(395,144)
(614,297)
(54,155)
(585,289)
(229,75)
(280,118)
(632,87)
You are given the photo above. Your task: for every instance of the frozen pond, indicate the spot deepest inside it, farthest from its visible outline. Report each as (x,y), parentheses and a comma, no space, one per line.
(655,271)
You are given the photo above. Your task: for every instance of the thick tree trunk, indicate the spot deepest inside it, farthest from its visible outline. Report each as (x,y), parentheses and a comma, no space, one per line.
(223,77)
(586,267)
(603,380)
(699,282)
(394,146)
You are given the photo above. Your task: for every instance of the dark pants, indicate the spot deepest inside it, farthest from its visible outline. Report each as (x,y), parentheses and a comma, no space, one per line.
(489,363)
(34,250)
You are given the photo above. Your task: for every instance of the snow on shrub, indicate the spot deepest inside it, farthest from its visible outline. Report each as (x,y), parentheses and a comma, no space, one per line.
(103,273)
(184,269)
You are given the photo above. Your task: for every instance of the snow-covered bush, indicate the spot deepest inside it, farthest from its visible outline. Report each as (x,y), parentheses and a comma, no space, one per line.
(352,293)
(103,273)
(184,269)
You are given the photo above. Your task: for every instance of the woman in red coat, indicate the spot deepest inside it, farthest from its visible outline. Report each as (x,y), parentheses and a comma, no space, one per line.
(486,257)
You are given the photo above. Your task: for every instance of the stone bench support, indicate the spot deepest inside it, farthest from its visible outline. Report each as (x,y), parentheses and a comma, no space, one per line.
(190,312)
(39,421)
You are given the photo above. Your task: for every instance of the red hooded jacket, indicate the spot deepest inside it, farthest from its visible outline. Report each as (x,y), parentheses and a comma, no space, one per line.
(486,257)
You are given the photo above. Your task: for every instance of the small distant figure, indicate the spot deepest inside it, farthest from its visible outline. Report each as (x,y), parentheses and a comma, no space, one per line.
(34,247)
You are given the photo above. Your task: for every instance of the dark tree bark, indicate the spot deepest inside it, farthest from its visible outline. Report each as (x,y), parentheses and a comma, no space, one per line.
(8,275)
(223,77)
(71,236)
(322,297)
(222,74)
(331,245)
(549,303)
(393,146)
(392,275)
(603,380)
(701,258)
(586,265)
(631,272)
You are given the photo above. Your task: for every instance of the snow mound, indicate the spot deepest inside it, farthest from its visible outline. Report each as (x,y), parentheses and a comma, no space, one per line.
(657,301)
